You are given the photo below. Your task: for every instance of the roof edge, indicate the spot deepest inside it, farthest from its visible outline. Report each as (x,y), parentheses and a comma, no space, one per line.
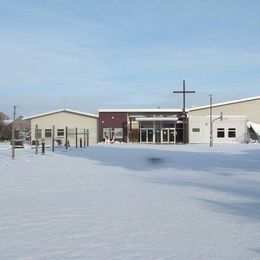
(141,110)
(61,110)
(224,103)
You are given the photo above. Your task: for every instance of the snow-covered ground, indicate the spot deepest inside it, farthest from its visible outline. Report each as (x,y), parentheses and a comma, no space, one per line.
(126,201)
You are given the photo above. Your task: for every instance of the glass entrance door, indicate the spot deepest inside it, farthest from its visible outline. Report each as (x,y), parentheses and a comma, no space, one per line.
(146,135)
(143,135)
(150,135)
(172,135)
(157,135)
(165,135)
(168,135)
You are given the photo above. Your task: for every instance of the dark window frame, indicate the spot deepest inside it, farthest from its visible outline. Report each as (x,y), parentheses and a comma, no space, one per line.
(48,133)
(60,132)
(232,132)
(196,130)
(220,132)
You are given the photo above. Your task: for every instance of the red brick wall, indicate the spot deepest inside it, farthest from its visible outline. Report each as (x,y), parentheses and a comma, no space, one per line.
(112,120)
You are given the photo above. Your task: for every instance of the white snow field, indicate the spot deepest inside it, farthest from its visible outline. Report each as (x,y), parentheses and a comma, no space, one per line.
(131,201)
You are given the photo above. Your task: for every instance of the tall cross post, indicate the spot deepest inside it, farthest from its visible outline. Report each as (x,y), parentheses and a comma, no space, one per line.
(184,114)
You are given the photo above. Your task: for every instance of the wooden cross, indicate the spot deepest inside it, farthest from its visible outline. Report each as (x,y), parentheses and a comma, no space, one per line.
(184,92)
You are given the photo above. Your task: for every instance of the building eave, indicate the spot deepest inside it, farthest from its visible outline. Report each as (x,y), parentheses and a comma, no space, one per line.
(149,110)
(59,111)
(224,103)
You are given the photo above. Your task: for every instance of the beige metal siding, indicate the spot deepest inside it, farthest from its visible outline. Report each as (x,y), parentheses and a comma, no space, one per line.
(202,124)
(250,109)
(64,119)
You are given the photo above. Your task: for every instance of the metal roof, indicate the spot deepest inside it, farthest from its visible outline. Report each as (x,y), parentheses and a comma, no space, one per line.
(172,118)
(61,110)
(225,103)
(149,110)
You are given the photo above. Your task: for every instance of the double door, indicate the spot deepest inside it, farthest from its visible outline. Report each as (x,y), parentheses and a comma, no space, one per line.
(168,135)
(164,135)
(147,135)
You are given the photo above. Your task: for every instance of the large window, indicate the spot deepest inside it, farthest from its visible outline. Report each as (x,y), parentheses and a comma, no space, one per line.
(220,132)
(168,124)
(107,133)
(231,132)
(118,132)
(60,132)
(47,133)
(146,124)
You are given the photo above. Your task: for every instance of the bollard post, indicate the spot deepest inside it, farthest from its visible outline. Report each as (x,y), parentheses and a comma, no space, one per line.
(87,137)
(13,134)
(43,147)
(80,142)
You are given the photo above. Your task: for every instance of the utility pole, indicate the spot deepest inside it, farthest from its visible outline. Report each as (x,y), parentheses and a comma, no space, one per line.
(211,123)
(84,139)
(184,114)
(13,132)
(36,139)
(53,137)
(76,140)
(66,137)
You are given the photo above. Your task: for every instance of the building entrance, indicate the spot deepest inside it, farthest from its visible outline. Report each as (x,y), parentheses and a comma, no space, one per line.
(147,135)
(163,135)
(160,132)
(168,135)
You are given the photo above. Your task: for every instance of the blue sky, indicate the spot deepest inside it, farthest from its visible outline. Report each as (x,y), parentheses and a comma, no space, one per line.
(94,54)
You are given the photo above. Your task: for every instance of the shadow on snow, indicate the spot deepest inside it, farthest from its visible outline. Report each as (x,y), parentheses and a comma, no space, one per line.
(211,170)
(145,159)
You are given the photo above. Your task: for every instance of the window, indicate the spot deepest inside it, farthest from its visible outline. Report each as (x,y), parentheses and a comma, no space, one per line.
(196,130)
(47,132)
(167,125)
(60,132)
(220,132)
(107,133)
(71,132)
(92,133)
(146,124)
(231,132)
(118,132)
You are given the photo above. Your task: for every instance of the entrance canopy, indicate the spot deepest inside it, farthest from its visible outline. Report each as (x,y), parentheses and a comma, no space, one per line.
(156,118)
